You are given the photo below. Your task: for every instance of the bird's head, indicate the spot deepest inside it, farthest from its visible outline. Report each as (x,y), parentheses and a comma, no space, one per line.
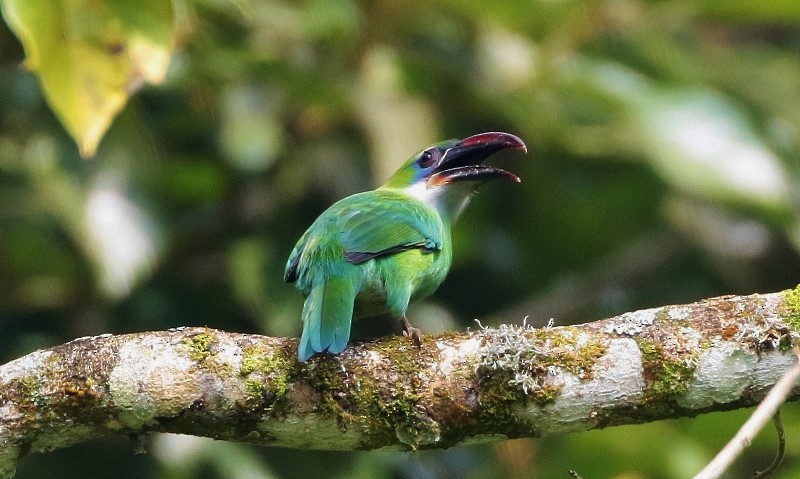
(446,174)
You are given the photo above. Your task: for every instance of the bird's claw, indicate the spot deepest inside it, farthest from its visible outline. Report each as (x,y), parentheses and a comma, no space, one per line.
(414,333)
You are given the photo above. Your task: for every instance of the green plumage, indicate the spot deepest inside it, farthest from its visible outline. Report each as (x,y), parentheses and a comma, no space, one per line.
(374,252)
(368,254)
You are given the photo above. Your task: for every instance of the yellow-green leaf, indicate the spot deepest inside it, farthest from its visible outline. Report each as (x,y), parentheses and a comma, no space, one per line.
(90,55)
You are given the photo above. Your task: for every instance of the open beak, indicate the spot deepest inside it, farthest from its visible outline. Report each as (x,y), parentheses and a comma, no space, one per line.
(463,161)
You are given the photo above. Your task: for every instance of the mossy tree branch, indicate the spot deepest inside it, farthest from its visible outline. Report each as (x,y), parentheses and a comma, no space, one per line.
(667,362)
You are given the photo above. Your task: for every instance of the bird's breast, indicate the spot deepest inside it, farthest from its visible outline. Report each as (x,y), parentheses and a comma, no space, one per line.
(415,270)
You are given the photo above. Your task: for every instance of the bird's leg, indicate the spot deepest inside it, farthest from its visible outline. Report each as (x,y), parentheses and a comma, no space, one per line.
(409,330)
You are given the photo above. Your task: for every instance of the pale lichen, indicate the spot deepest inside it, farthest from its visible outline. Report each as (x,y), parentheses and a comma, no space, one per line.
(143,371)
(633,323)
(679,313)
(720,376)
(616,379)
(530,357)
(509,348)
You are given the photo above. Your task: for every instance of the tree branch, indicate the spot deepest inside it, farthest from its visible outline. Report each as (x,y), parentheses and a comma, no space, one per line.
(489,384)
(768,408)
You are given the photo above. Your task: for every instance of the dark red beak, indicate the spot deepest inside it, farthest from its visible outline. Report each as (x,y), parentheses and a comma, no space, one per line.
(463,161)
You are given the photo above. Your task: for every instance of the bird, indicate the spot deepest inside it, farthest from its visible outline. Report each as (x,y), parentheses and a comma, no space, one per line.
(375,252)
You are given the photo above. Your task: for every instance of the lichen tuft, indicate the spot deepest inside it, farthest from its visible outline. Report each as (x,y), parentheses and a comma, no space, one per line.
(529,356)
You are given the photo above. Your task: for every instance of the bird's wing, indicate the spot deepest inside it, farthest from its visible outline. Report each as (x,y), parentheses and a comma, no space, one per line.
(290,273)
(363,227)
(389,226)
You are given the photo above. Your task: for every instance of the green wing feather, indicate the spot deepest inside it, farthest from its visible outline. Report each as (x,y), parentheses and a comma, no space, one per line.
(325,262)
(362,227)
(388,225)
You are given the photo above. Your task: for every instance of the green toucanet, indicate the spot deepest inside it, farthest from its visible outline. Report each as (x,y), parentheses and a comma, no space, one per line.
(374,252)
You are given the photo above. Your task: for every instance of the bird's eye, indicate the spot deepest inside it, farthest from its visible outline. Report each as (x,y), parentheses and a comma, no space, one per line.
(426,159)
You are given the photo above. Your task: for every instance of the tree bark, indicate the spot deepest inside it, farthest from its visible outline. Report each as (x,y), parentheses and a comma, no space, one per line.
(493,383)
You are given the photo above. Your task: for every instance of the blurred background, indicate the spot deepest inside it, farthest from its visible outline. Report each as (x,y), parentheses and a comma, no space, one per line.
(663,167)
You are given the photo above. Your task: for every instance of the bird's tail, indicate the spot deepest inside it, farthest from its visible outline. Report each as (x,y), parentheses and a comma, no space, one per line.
(327,315)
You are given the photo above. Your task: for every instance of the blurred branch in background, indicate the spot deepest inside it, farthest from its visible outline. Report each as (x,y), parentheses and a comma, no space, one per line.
(574,295)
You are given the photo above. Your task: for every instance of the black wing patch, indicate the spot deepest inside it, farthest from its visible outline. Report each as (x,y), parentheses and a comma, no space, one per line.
(290,276)
(358,257)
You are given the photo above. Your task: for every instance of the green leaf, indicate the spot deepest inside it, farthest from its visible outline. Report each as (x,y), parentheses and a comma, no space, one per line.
(91,55)
(699,140)
(705,144)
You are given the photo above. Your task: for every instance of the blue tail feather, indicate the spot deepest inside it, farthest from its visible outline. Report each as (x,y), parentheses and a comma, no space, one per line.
(327,315)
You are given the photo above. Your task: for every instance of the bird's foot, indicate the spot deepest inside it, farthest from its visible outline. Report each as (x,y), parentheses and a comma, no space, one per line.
(415,333)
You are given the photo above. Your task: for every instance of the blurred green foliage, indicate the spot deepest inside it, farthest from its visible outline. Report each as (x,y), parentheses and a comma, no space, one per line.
(663,168)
